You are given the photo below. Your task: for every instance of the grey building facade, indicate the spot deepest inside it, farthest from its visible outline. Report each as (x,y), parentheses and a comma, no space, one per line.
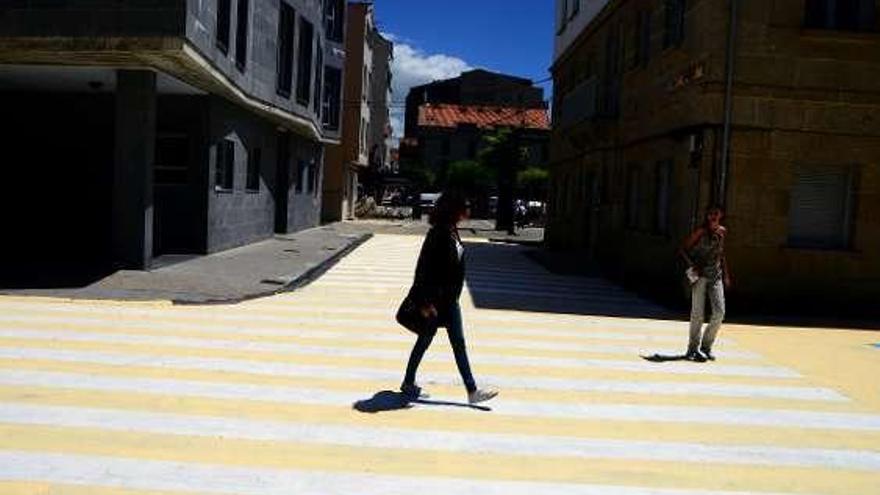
(152,128)
(380,100)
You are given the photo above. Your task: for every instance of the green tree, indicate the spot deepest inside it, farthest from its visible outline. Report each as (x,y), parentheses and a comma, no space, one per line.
(422,177)
(534,181)
(470,176)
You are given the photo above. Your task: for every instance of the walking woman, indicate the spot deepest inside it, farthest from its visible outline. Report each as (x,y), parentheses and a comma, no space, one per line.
(438,283)
(709,273)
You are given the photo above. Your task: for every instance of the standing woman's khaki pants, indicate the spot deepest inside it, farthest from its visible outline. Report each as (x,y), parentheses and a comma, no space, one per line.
(715,290)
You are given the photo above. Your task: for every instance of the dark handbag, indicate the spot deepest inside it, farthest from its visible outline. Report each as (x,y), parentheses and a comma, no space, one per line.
(410,317)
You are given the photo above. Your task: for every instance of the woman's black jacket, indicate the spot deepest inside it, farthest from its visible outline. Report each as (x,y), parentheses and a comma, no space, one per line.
(439,273)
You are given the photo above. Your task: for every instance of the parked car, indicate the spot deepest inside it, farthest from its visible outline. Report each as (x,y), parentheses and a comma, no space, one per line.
(428,200)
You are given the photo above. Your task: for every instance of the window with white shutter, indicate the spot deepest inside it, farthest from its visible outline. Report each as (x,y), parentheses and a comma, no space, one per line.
(821,209)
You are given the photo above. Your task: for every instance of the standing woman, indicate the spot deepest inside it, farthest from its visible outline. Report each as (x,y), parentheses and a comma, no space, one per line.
(703,251)
(438,283)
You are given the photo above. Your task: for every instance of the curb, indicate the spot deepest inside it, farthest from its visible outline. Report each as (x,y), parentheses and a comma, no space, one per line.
(316,271)
(302,280)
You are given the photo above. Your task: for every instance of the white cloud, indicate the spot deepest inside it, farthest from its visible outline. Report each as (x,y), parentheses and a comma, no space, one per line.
(413,67)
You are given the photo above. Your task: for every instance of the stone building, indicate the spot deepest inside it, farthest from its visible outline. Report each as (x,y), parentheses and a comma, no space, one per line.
(770,108)
(474,87)
(446,120)
(149,128)
(367,65)
(449,133)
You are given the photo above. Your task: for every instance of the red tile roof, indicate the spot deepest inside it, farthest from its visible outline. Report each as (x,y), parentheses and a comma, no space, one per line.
(484,117)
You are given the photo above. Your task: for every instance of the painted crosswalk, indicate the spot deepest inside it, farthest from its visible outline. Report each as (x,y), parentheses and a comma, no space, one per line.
(293,394)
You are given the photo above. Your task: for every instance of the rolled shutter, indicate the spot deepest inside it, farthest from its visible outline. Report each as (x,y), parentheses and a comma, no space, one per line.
(820,204)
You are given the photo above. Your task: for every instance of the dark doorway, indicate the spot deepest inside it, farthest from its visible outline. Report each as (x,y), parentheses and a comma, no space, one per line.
(55,210)
(178,186)
(282,183)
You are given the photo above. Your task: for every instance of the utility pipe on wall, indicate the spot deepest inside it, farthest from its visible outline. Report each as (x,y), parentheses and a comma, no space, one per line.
(721,193)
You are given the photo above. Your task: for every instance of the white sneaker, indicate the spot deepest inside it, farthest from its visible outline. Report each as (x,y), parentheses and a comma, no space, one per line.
(481,395)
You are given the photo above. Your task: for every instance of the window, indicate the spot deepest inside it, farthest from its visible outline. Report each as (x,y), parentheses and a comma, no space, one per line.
(643,39)
(304,67)
(319,71)
(575,8)
(673,33)
(663,183)
(286,27)
(224,17)
(605,189)
(331,98)
(301,171)
(253,170)
(316,173)
(563,14)
(821,208)
(241,34)
(364,84)
(310,176)
(844,15)
(225,166)
(611,89)
(632,197)
(364,128)
(334,19)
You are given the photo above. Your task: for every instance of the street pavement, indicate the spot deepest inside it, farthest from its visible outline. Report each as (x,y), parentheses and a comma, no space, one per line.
(294,394)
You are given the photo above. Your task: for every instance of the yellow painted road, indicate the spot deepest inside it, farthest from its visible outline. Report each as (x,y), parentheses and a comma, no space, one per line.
(294,394)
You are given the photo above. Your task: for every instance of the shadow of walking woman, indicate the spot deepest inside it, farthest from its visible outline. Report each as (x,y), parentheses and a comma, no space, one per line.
(662,358)
(388,400)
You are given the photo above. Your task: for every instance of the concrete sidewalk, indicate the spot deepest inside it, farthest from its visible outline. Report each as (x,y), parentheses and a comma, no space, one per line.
(281,263)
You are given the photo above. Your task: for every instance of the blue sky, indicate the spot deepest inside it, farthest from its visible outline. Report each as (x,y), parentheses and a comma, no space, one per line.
(437,39)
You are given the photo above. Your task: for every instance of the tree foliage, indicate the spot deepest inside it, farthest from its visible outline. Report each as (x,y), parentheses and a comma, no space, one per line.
(421,176)
(470,176)
(533,177)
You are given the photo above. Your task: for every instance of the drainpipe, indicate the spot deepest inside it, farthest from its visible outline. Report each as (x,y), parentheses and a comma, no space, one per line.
(728,102)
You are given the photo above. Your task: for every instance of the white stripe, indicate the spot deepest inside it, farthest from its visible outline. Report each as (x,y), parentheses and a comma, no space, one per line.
(355,323)
(598,295)
(294,304)
(321,334)
(681,367)
(349,288)
(398,336)
(188,477)
(398,438)
(740,416)
(360,374)
(534,283)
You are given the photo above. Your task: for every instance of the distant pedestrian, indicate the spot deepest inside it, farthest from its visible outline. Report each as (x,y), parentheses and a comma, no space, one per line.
(520,214)
(709,274)
(439,280)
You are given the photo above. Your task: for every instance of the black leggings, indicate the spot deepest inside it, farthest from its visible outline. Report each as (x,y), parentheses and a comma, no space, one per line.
(455,331)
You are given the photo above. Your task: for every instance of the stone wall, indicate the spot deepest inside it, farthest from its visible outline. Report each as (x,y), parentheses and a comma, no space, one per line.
(801,96)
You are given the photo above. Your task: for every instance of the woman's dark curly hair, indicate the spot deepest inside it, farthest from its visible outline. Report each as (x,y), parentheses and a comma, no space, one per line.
(449,207)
